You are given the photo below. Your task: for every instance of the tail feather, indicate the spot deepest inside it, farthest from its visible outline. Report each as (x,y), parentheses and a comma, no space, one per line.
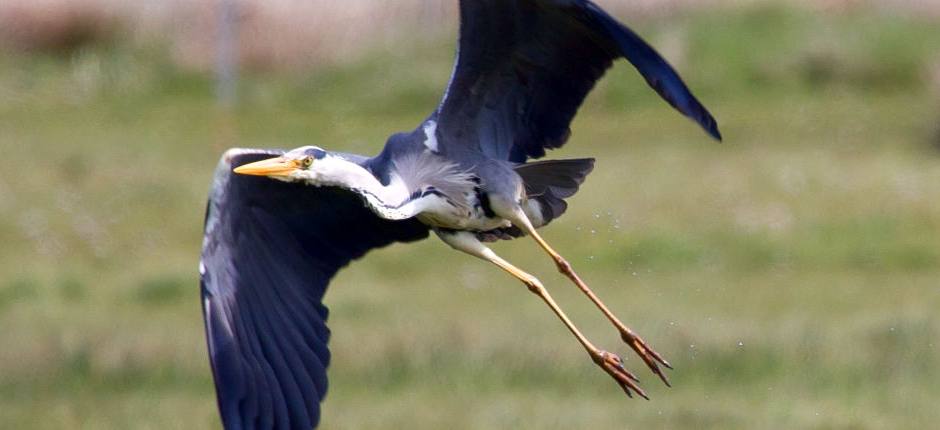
(547,184)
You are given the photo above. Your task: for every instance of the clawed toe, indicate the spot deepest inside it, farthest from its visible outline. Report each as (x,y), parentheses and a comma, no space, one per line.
(613,365)
(649,356)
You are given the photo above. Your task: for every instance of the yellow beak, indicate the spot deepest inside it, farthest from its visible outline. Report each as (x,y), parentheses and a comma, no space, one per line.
(271,167)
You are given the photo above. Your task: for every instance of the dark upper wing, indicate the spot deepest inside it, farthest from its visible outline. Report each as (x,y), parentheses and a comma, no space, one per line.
(269,251)
(524,66)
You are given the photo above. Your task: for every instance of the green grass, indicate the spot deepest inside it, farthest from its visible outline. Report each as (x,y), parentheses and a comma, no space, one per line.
(790,273)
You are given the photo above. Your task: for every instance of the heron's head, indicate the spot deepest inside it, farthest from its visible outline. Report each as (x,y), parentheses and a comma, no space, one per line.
(301,164)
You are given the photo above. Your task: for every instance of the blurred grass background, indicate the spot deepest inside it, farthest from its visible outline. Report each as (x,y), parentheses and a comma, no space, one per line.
(790,274)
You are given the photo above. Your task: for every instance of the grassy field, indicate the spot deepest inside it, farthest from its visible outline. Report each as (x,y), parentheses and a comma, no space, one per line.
(791,274)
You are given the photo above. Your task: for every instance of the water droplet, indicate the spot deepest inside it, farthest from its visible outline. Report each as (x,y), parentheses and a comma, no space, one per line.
(593,231)
(891,329)
(634,273)
(590,257)
(740,343)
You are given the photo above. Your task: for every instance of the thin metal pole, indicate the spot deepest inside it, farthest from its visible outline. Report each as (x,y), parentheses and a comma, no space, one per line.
(226,70)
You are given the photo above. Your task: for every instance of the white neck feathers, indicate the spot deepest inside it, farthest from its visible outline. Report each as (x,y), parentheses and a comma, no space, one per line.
(385,200)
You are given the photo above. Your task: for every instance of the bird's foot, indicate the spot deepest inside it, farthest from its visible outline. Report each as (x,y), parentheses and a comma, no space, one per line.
(649,356)
(613,365)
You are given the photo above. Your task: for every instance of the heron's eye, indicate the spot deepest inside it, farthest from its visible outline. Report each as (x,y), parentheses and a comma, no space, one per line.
(306,162)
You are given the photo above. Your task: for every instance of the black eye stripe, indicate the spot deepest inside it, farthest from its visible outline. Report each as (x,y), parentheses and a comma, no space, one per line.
(311,151)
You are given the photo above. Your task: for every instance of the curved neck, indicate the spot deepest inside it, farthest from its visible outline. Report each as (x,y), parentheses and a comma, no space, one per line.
(387,201)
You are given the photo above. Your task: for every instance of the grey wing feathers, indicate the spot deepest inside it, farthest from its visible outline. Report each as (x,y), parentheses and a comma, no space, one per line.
(525,66)
(269,252)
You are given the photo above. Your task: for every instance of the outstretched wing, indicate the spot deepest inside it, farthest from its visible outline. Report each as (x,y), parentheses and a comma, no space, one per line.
(524,66)
(269,251)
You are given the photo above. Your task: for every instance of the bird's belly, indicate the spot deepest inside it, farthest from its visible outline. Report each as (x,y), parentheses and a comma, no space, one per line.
(461,221)
(460,217)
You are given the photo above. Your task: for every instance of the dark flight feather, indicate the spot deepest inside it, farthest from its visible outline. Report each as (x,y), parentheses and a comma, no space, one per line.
(269,253)
(525,66)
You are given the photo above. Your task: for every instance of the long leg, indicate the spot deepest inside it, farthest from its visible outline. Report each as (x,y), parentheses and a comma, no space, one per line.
(611,363)
(649,356)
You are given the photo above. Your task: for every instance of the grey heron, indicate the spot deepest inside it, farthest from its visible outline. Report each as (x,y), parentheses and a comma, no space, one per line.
(522,69)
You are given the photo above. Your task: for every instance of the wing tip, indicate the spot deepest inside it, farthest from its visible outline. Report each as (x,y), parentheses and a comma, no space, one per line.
(693,109)
(657,72)
(711,127)
(716,134)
